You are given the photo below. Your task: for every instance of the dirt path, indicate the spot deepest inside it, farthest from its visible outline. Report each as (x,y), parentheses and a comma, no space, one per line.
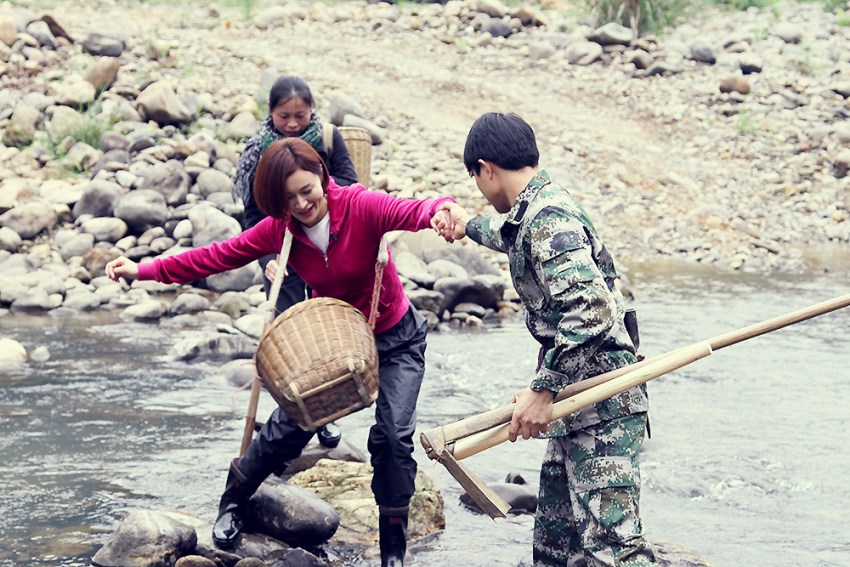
(651,158)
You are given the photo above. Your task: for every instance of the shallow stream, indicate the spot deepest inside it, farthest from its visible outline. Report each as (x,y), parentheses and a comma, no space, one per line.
(747,465)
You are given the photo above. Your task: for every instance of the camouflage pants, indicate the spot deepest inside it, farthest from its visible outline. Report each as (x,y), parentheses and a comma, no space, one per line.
(588,510)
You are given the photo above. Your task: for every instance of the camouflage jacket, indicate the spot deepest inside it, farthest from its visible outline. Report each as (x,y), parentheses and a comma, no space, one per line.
(565,277)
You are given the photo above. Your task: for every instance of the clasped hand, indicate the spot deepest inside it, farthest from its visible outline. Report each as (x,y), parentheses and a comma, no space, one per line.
(450,221)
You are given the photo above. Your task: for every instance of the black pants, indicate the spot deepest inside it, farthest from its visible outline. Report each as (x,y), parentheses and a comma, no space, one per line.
(401,354)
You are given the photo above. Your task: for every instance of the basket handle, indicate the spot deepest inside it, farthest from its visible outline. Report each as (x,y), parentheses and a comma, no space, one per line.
(380,263)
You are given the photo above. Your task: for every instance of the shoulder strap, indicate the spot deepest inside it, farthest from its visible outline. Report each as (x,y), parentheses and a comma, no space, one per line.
(328,138)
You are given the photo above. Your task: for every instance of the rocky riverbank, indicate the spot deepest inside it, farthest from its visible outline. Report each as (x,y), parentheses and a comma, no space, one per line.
(723,142)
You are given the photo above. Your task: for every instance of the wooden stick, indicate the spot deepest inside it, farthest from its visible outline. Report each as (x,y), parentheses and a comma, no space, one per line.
(473,444)
(253,402)
(448,434)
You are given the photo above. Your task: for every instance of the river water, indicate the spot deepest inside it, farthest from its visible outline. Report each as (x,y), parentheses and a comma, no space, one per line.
(747,464)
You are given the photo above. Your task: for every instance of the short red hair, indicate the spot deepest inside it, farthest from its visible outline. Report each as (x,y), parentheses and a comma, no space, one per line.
(283,158)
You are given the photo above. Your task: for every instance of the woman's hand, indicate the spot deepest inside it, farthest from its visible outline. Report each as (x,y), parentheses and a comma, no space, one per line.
(450,221)
(122,268)
(271,270)
(532,414)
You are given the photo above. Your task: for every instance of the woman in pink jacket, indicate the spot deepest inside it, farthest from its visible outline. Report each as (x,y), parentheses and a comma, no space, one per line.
(336,235)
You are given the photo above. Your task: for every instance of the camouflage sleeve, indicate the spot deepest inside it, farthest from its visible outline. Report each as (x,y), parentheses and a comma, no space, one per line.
(486,231)
(581,308)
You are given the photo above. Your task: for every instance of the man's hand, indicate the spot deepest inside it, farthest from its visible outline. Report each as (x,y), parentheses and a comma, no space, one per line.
(122,268)
(532,414)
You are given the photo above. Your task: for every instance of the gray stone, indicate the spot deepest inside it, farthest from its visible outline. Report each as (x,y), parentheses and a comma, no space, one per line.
(30,218)
(142,209)
(341,105)
(108,229)
(9,239)
(104,44)
(98,199)
(168,179)
(160,103)
(611,33)
(213,181)
(583,52)
(146,538)
(75,92)
(41,32)
(102,73)
(702,52)
(291,514)
(211,225)
(8,30)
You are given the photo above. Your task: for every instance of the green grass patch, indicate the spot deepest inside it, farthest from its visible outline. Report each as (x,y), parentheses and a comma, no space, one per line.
(642,16)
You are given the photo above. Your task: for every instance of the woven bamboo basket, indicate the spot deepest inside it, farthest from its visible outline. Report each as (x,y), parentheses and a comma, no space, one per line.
(359,144)
(318,360)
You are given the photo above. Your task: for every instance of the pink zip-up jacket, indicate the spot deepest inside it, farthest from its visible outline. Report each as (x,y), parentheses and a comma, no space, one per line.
(358,220)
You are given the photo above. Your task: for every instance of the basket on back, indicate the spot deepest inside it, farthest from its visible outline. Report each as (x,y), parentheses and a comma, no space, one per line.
(319,361)
(359,144)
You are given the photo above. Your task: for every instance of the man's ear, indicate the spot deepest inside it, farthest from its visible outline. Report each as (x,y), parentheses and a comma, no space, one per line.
(487,168)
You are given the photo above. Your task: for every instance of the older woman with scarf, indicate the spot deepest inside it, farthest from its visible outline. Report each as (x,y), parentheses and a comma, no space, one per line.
(291,115)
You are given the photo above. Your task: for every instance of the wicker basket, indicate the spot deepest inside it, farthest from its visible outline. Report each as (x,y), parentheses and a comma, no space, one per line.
(319,361)
(359,144)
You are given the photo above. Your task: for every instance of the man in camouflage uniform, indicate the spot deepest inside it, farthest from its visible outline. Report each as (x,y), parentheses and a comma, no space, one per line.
(588,511)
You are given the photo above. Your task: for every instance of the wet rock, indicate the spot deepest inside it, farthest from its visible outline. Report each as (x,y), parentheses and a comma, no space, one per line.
(188,303)
(522,500)
(11,351)
(214,347)
(346,487)
(149,310)
(146,538)
(292,515)
(195,561)
(483,290)
(314,452)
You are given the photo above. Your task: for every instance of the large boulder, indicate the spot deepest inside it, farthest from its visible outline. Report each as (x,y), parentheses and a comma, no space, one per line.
(347,487)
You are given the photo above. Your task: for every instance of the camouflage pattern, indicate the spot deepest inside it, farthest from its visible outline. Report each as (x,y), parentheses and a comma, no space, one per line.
(565,278)
(588,510)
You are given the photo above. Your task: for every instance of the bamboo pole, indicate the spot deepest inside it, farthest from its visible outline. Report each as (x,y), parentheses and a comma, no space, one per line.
(253,402)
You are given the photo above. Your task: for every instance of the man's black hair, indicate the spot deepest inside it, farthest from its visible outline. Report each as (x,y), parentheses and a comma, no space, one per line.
(504,139)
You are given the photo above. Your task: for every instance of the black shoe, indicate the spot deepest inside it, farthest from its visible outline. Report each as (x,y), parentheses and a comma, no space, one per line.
(329,435)
(228,526)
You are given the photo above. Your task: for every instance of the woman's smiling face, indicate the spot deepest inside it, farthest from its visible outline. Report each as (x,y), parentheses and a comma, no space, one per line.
(305,198)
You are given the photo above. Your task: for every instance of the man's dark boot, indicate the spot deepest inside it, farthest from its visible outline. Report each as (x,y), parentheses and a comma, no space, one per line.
(392,529)
(329,435)
(233,506)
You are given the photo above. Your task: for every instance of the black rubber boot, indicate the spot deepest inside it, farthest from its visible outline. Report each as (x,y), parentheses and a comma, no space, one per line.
(329,435)
(233,506)
(392,529)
